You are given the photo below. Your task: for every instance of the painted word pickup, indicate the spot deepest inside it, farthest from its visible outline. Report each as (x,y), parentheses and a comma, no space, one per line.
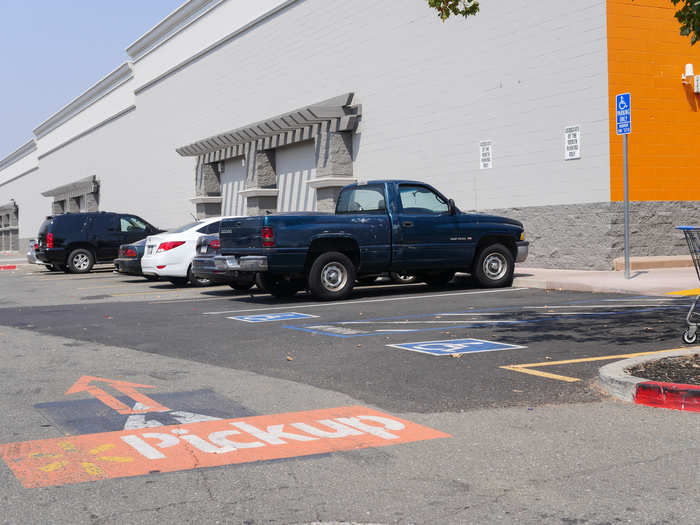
(91,457)
(379,226)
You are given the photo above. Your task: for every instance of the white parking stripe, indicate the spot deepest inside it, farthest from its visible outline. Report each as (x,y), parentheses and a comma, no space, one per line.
(364,301)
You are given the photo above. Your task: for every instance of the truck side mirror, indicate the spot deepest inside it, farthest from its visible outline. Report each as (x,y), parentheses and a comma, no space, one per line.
(451,206)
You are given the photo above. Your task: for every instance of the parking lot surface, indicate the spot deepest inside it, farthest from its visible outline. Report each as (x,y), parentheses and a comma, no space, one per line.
(450,405)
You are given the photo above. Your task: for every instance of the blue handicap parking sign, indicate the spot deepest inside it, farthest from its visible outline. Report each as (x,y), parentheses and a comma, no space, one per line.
(455,346)
(623,114)
(265,318)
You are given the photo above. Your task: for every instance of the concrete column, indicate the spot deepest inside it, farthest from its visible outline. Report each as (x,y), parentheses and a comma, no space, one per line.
(92,201)
(58,207)
(334,160)
(208,181)
(264,176)
(74,205)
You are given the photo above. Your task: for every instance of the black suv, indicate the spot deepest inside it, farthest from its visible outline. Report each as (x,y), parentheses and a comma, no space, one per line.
(74,242)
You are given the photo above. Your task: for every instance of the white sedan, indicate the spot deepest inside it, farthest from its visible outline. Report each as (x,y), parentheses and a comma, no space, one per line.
(169,254)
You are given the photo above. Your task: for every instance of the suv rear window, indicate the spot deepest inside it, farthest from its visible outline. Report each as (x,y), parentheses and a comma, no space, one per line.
(69,222)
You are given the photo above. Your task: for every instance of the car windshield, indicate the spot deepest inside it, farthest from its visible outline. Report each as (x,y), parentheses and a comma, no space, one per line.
(185,227)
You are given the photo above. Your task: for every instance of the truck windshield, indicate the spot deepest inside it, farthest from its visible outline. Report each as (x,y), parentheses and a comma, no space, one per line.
(362,199)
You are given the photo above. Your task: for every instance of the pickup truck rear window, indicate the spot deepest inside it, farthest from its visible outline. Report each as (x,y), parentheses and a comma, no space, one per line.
(362,199)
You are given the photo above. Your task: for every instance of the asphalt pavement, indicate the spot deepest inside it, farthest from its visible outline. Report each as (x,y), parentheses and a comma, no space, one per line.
(489,395)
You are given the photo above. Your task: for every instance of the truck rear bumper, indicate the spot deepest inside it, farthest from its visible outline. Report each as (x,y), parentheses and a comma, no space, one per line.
(251,263)
(522,249)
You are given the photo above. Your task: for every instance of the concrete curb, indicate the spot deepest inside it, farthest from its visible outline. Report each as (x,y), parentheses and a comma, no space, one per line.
(615,379)
(8,267)
(528,282)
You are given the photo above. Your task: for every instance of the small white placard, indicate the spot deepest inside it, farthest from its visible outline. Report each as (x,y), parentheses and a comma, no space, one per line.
(572,143)
(485,155)
(696,82)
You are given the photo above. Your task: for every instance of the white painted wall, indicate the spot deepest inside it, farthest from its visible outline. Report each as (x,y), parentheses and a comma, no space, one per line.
(430,92)
(16,169)
(225,18)
(115,101)
(233,180)
(295,165)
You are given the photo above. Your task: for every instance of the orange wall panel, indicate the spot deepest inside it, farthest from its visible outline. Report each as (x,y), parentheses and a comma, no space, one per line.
(646,57)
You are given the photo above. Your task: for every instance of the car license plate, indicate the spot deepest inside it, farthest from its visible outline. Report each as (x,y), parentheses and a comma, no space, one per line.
(232,262)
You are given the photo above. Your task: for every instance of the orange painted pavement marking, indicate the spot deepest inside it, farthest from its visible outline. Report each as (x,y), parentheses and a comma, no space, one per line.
(149,405)
(77,459)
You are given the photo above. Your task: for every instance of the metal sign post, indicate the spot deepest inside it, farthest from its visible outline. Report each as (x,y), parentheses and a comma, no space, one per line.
(623,118)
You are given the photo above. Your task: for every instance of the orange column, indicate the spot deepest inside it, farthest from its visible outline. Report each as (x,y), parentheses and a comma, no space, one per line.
(646,57)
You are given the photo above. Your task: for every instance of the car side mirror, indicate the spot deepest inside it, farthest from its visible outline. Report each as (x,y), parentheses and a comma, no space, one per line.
(451,206)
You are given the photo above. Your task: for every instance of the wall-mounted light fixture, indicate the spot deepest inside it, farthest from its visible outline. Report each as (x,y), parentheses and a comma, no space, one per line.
(688,73)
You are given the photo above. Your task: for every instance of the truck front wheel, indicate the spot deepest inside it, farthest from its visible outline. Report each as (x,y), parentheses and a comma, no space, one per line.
(493,267)
(332,276)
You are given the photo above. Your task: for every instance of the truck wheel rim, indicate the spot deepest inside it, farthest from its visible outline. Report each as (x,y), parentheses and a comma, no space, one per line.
(334,276)
(81,261)
(495,266)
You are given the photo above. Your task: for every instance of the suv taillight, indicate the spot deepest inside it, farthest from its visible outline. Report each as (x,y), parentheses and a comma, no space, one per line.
(165,246)
(268,237)
(49,240)
(215,244)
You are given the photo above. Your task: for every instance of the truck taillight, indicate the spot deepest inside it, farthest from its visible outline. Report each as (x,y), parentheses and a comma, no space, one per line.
(268,237)
(165,246)
(49,240)
(215,244)
(130,253)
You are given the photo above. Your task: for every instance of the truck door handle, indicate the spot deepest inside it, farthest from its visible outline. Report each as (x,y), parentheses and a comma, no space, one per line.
(407,224)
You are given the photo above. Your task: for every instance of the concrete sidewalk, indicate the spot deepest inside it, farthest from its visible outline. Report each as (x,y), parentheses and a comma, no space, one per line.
(658,281)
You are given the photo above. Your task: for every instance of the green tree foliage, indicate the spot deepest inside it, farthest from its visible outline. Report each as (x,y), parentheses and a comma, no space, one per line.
(689,17)
(447,8)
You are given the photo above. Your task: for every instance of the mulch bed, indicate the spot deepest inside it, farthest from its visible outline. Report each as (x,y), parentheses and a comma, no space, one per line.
(684,370)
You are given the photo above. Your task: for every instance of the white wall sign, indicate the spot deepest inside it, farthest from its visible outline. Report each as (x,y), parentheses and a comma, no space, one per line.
(572,143)
(486,155)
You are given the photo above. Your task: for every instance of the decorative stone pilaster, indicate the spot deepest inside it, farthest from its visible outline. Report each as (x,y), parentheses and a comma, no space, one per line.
(261,189)
(58,207)
(74,205)
(207,200)
(334,167)
(92,201)
(9,230)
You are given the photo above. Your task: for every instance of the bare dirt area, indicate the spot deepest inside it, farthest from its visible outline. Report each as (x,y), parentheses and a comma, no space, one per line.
(684,370)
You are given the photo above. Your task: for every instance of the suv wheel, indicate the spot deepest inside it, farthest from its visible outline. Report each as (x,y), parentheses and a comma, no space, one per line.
(332,276)
(81,261)
(494,266)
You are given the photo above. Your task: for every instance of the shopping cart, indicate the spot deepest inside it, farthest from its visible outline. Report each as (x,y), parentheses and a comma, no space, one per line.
(692,236)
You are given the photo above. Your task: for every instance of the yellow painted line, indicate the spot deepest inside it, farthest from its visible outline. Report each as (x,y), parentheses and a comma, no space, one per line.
(526,368)
(694,291)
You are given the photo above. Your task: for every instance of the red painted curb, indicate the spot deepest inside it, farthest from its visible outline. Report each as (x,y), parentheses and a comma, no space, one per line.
(668,395)
(9,267)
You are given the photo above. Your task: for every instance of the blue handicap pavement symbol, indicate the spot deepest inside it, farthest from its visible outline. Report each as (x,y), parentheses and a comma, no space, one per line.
(266,318)
(623,114)
(455,346)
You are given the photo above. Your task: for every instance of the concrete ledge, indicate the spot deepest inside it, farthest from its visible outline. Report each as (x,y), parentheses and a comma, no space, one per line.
(650,262)
(259,192)
(331,182)
(615,379)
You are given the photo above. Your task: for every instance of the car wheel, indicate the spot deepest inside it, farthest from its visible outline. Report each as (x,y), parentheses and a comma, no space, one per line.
(402,278)
(80,261)
(197,281)
(438,278)
(278,285)
(178,281)
(332,276)
(493,267)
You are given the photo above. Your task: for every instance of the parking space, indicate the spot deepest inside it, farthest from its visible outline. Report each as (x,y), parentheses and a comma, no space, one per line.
(397,347)
(122,386)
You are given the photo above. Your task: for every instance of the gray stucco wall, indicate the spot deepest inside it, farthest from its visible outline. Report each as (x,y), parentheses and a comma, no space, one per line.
(590,236)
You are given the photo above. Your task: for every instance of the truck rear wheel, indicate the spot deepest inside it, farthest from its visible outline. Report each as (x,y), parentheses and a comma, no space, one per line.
(332,276)
(493,267)
(80,261)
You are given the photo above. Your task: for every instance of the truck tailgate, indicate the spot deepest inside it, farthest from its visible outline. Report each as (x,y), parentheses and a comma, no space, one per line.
(241,235)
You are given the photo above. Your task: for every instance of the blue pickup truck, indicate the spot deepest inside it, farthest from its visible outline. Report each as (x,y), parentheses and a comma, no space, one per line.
(378,226)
